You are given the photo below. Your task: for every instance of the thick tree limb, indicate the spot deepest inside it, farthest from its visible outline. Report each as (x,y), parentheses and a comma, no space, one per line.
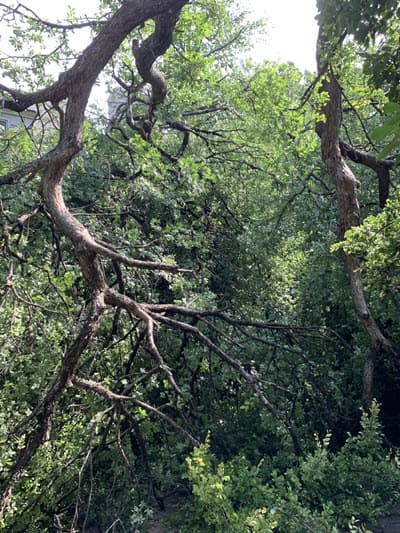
(151,48)
(94,58)
(16,175)
(382,168)
(75,86)
(348,216)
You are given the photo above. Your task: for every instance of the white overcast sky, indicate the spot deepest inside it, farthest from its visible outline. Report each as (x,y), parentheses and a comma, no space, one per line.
(291,30)
(291,36)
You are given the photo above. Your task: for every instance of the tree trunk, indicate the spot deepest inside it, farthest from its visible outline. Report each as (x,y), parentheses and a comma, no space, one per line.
(348,215)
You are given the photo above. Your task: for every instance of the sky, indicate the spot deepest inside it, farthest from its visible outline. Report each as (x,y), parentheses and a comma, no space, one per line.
(291,28)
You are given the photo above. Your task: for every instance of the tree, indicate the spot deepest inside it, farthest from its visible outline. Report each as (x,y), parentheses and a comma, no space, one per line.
(334,152)
(172,274)
(100,263)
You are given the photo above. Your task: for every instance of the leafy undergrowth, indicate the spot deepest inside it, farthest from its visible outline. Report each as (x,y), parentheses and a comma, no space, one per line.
(325,492)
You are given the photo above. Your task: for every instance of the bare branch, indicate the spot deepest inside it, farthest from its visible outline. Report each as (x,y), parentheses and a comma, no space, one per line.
(119,300)
(98,388)
(104,249)
(29,14)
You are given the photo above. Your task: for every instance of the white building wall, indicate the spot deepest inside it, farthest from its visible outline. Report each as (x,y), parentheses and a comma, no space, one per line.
(8,119)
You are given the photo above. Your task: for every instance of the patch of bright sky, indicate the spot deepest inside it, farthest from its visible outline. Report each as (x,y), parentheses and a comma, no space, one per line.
(291,28)
(291,31)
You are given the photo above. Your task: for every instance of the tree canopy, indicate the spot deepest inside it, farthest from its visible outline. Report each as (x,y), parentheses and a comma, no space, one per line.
(199,285)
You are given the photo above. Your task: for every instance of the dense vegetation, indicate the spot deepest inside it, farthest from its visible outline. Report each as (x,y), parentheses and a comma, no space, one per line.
(208,327)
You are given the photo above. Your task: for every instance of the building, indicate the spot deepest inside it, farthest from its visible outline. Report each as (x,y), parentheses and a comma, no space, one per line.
(10,119)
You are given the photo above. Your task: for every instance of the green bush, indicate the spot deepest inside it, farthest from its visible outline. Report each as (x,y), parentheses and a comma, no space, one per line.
(325,492)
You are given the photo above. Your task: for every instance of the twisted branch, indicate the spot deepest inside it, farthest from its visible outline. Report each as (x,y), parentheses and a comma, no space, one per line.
(101,390)
(75,85)
(150,49)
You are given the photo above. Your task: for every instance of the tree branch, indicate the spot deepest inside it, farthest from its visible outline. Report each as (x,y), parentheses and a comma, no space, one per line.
(44,412)
(382,167)
(348,214)
(99,389)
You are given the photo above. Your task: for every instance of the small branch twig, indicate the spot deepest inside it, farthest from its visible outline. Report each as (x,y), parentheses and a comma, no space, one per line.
(101,390)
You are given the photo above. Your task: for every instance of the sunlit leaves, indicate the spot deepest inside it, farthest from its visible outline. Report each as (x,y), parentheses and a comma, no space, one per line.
(376,240)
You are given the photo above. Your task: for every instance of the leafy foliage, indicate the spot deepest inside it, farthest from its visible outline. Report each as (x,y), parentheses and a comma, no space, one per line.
(225,180)
(389,132)
(324,492)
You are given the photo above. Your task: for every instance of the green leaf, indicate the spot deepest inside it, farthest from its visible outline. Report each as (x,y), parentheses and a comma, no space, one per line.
(392,108)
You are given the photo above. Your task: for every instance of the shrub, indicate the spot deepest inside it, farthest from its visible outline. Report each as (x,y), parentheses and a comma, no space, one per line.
(325,492)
